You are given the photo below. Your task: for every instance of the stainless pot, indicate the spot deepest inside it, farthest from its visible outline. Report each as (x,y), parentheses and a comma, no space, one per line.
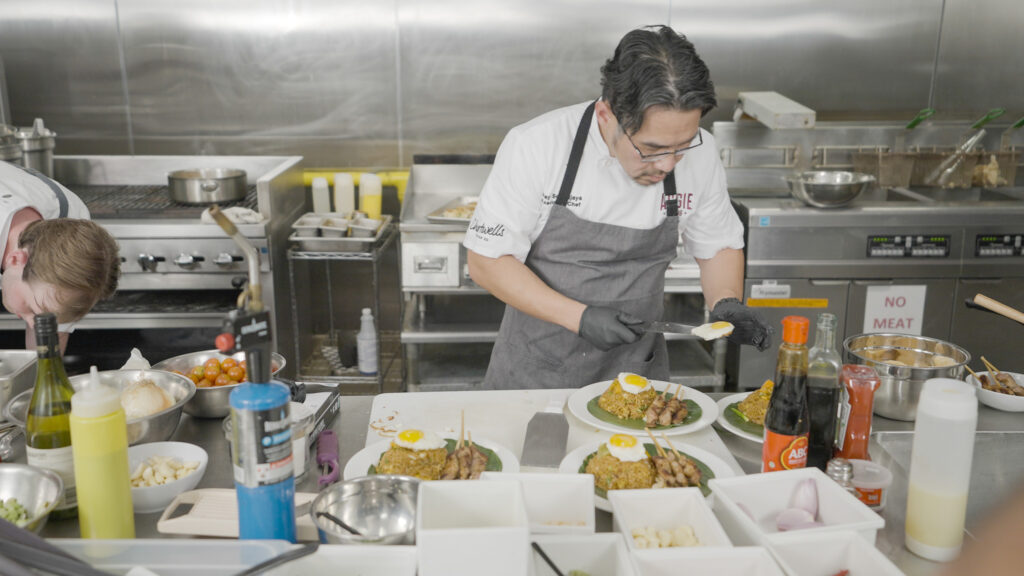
(206,185)
(903,363)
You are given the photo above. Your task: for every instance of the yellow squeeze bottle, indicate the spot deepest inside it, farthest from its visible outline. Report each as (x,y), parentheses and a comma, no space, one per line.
(99,441)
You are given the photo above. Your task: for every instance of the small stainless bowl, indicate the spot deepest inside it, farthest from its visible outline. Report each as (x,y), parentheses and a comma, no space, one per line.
(901,385)
(382,508)
(153,428)
(211,402)
(38,490)
(828,189)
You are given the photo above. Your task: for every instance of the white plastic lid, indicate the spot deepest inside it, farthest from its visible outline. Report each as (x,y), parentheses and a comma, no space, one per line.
(367,312)
(95,399)
(948,398)
(869,475)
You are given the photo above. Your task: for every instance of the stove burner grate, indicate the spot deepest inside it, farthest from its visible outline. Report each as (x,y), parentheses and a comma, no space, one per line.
(145,202)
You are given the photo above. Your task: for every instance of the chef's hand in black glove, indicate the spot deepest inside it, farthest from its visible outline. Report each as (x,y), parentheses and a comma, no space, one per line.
(607,328)
(749,326)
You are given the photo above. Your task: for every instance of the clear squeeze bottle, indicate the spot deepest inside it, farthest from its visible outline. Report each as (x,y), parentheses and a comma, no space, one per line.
(787,422)
(99,438)
(823,392)
(940,468)
(47,426)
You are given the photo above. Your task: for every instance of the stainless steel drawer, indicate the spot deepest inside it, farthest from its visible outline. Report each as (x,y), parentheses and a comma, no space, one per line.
(430,264)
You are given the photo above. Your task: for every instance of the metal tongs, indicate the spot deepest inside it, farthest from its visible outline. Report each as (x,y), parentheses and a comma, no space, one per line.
(944,171)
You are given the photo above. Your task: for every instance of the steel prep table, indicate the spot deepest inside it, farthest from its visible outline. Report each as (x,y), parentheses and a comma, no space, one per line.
(997,433)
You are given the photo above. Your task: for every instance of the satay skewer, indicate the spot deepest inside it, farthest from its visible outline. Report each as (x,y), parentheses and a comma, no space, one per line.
(990,366)
(657,446)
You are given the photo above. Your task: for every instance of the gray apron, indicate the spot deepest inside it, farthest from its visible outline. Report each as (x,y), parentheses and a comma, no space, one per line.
(599,265)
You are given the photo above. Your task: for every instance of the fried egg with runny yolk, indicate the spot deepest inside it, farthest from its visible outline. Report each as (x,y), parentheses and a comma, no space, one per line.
(418,440)
(626,448)
(713,330)
(632,383)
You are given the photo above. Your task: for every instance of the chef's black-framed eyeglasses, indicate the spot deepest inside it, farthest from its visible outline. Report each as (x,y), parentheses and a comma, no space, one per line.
(658,156)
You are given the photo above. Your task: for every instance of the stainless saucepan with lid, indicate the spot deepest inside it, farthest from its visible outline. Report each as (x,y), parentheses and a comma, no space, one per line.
(206,185)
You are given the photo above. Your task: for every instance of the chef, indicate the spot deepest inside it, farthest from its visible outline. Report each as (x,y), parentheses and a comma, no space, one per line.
(581,216)
(54,258)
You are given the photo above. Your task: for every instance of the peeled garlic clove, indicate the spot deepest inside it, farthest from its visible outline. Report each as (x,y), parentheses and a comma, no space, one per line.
(806,497)
(793,519)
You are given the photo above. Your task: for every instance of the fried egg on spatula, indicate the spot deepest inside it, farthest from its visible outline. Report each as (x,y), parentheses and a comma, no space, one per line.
(713,330)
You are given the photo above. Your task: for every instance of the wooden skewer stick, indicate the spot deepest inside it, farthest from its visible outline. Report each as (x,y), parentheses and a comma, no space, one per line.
(679,456)
(471,440)
(990,366)
(462,431)
(657,446)
(679,393)
(973,373)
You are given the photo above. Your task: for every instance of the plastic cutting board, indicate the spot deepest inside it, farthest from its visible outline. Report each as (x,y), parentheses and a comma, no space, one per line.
(214,512)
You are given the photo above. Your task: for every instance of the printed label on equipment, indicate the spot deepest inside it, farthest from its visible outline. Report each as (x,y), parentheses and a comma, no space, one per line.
(894,309)
(787,302)
(771,290)
(268,459)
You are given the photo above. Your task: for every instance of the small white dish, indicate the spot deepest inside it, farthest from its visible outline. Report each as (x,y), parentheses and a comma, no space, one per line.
(307,225)
(725,418)
(595,554)
(364,227)
(665,509)
(156,498)
(751,561)
(555,503)
(360,462)
(580,399)
(334,227)
(574,460)
(833,553)
(998,400)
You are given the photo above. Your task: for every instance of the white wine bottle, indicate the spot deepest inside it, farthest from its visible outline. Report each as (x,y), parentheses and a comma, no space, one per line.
(48,426)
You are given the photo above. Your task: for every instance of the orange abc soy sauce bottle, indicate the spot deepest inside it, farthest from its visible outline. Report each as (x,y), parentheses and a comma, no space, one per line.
(787,422)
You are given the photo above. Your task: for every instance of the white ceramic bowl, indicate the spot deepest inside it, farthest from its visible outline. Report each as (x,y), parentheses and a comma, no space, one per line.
(998,400)
(156,498)
(555,503)
(665,509)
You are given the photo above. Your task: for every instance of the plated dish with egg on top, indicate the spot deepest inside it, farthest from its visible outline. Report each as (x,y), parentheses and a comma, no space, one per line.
(632,402)
(431,456)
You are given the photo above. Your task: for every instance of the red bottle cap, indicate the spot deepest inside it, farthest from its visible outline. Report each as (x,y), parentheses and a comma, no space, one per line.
(794,329)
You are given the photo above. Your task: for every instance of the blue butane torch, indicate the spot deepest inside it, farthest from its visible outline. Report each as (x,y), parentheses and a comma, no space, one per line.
(260,419)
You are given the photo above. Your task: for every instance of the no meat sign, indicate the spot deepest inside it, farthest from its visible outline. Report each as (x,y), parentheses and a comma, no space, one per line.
(897,309)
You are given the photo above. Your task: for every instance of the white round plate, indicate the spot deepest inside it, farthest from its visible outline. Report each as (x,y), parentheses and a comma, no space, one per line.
(573,460)
(361,461)
(579,399)
(998,400)
(723,407)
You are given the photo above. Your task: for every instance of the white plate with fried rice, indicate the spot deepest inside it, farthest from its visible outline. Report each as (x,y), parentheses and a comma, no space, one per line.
(360,462)
(580,406)
(728,419)
(573,461)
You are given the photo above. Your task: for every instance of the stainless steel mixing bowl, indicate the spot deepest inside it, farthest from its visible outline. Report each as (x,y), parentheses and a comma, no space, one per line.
(153,428)
(211,402)
(382,508)
(921,358)
(828,189)
(38,490)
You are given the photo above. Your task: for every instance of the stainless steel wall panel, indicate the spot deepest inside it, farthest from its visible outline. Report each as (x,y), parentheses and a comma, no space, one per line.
(979,64)
(264,77)
(62,65)
(472,69)
(866,60)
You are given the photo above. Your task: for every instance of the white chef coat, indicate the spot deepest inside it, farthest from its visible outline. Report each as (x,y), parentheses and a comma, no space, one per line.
(21,188)
(523,184)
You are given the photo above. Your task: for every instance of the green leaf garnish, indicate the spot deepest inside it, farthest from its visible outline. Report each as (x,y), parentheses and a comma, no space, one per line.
(739,420)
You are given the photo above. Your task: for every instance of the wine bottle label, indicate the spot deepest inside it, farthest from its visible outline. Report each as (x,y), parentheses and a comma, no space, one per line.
(783,452)
(262,446)
(61,461)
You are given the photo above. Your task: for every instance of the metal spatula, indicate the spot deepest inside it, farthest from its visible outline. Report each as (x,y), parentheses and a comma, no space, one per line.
(546,436)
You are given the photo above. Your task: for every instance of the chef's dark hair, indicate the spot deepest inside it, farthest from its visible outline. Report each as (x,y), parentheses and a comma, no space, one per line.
(655,66)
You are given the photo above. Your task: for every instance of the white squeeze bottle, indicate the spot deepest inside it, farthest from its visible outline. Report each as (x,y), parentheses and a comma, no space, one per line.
(940,468)
(366,344)
(344,193)
(321,196)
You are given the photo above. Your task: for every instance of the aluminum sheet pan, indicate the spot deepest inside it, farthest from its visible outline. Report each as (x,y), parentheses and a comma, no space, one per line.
(438,215)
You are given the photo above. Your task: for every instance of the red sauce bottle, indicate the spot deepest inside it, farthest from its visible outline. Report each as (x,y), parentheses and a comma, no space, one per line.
(787,422)
(859,384)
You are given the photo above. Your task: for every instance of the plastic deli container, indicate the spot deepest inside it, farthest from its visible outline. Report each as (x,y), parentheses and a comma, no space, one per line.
(872,482)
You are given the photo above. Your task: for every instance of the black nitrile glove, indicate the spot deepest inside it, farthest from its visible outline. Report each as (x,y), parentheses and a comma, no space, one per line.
(607,328)
(749,326)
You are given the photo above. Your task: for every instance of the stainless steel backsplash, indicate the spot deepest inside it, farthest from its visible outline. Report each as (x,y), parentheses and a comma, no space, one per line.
(358,83)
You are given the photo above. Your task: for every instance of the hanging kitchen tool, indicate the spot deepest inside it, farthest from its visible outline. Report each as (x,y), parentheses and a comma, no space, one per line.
(206,185)
(930,167)
(1006,157)
(982,302)
(892,168)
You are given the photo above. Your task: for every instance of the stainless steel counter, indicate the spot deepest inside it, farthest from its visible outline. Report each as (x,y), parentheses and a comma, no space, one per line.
(999,466)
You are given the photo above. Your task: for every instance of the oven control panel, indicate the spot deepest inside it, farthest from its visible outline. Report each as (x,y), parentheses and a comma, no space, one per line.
(908,246)
(998,245)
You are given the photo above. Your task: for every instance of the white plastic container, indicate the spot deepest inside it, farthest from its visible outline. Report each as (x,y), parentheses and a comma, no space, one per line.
(173,557)
(340,560)
(370,190)
(595,554)
(555,503)
(940,468)
(751,561)
(334,227)
(321,195)
(344,192)
(665,509)
(765,495)
(872,481)
(801,554)
(472,528)
(366,344)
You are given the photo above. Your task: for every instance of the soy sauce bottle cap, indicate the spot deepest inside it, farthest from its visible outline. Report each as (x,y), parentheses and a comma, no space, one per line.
(795,329)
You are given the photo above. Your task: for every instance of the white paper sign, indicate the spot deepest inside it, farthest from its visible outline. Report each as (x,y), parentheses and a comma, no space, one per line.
(898,309)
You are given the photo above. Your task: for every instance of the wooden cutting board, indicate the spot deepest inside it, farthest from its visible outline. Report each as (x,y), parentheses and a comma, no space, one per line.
(214,512)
